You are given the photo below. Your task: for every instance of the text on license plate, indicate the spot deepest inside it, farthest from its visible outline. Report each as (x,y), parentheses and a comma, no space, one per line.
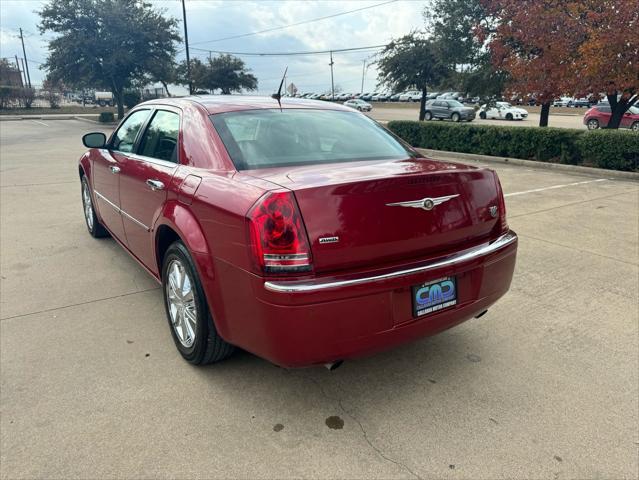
(433,296)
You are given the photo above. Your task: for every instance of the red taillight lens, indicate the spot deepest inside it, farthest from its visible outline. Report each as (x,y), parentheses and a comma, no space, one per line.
(278,236)
(502,207)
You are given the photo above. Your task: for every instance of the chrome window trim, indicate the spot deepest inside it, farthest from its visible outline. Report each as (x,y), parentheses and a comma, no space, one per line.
(451,260)
(157,161)
(122,212)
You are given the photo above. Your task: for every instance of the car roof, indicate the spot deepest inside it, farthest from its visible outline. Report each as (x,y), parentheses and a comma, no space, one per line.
(233,103)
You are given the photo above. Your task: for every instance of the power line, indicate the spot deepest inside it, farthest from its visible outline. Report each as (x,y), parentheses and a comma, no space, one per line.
(290,54)
(304,22)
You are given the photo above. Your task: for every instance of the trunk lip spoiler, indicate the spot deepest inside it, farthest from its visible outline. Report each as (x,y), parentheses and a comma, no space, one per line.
(473,253)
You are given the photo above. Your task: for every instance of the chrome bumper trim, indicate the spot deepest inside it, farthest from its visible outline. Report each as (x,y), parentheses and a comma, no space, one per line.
(464,256)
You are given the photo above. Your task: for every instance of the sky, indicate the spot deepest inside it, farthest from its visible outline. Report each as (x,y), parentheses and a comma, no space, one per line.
(210,20)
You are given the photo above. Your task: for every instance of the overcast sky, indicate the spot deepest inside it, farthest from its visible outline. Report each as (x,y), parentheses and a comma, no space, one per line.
(215,19)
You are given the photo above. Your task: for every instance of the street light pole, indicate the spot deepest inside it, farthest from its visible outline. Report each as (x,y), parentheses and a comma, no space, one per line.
(363,73)
(186,42)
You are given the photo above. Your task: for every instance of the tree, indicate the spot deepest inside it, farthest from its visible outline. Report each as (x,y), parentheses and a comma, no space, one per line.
(411,61)
(577,47)
(533,42)
(225,72)
(108,44)
(607,58)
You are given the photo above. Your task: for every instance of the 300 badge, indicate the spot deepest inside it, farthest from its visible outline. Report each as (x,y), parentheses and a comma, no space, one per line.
(434,296)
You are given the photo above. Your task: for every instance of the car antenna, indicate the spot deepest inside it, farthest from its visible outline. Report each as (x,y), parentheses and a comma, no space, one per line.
(278,96)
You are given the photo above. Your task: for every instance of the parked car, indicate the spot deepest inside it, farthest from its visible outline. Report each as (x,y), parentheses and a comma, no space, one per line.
(104,99)
(359,104)
(448,109)
(315,96)
(503,110)
(394,97)
(599,116)
(368,96)
(562,102)
(303,235)
(410,96)
(581,102)
(450,96)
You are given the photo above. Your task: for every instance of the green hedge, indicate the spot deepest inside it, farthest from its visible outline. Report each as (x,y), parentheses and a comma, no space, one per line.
(106,117)
(611,149)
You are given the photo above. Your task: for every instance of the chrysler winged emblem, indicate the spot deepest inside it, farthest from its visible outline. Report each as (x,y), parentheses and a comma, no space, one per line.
(423,203)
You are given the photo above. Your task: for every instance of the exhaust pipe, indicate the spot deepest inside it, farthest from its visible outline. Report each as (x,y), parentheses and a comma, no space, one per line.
(479,315)
(333,365)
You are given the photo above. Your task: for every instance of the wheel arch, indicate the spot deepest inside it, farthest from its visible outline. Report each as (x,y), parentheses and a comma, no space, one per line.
(177,222)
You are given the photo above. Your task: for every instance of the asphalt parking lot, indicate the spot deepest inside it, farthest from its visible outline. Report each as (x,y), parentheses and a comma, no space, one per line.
(543,386)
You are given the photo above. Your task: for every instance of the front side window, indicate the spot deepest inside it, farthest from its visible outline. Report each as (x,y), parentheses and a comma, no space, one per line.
(272,138)
(124,138)
(161,137)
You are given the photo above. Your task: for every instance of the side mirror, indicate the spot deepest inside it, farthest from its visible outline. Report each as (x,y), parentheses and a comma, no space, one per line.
(94,140)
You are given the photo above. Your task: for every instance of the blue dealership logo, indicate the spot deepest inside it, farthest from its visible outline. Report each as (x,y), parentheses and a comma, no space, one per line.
(435,294)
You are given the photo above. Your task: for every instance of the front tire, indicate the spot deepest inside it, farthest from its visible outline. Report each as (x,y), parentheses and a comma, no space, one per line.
(455,117)
(635,127)
(94,226)
(509,116)
(187,310)
(428,116)
(482,115)
(593,124)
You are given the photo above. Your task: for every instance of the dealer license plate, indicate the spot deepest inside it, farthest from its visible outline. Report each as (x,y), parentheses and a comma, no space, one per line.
(434,296)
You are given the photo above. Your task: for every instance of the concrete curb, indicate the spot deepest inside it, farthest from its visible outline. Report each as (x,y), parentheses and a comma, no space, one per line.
(591,171)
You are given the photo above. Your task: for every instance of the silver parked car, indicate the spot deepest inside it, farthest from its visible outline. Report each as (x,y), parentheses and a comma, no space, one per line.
(358,104)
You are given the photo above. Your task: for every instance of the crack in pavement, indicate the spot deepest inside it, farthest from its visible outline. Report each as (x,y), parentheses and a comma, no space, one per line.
(356,420)
(77,304)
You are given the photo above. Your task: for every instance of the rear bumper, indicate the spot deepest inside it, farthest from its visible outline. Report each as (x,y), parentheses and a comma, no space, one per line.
(306,322)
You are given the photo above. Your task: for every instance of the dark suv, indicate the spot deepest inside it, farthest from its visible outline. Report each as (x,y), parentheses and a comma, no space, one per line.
(448,109)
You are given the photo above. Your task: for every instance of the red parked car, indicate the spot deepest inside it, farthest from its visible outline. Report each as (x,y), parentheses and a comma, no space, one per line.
(306,235)
(599,116)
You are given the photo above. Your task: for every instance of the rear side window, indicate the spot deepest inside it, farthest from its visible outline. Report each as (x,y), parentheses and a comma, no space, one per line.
(161,137)
(124,138)
(271,138)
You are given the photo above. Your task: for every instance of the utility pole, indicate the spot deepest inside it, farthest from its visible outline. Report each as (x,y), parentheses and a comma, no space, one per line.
(332,84)
(23,70)
(363,72)
(186,42)
(210,56)
(19,71)
(25,59)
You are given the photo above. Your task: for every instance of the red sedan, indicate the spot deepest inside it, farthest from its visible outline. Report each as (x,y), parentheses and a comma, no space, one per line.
(306,235)
(599,116)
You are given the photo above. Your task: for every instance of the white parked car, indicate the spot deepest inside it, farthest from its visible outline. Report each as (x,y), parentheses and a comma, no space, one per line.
(503,110)
(563,102)
(411,96)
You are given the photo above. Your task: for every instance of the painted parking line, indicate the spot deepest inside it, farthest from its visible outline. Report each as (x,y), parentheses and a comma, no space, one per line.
(40,123)
(554,187)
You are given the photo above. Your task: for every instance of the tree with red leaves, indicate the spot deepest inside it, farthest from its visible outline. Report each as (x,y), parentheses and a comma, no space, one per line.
(555,47)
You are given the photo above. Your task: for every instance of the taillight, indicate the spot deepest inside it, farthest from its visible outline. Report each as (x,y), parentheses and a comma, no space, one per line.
(278,237)
(503,225)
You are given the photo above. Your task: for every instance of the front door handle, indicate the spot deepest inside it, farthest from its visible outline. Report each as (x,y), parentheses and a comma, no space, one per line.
(155,184)
(114,169)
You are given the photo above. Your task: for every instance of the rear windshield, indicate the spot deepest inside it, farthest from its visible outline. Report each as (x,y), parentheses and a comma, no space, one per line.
(273,138)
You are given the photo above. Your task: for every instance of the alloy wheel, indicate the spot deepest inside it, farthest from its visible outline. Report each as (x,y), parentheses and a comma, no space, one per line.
(180,297)
(88,206)
(635,127)
(593,124)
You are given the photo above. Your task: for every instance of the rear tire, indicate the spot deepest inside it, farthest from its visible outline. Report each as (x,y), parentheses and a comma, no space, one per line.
(482,115)
(593,124)
(95,228)
(455,117)
(509,116)
(187,311)
(635,127)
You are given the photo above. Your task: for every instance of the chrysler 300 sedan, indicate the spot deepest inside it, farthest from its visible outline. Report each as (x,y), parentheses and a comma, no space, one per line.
(305,233)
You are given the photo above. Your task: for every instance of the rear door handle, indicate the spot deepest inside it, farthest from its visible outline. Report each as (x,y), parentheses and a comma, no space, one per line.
(114,169)
(155,184)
